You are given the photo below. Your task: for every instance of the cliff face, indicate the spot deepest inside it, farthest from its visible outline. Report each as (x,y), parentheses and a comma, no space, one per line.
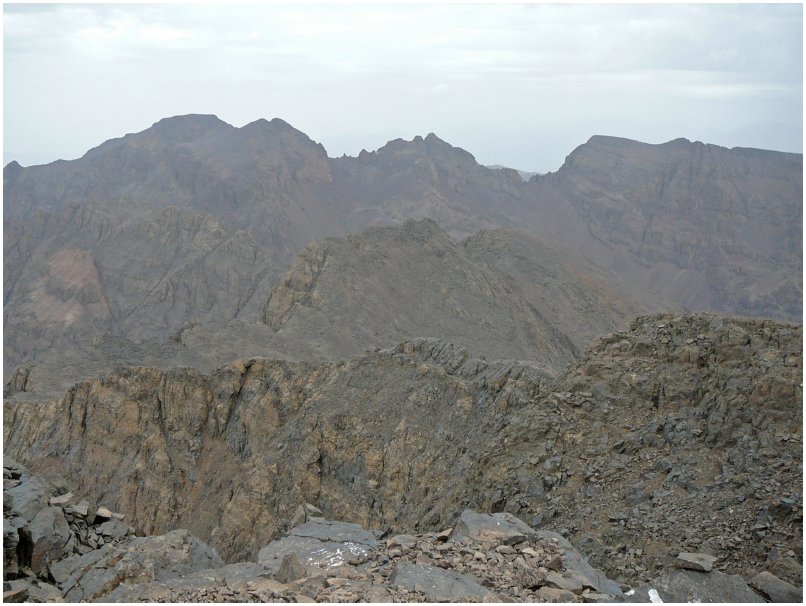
(500,294)
(638,444)
(215,215)
(709,227)
(231,454)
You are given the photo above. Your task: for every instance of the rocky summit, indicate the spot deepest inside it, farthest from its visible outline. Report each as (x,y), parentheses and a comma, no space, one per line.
(681,435)
(92,555)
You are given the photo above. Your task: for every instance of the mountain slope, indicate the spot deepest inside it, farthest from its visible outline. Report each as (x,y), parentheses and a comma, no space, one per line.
(634,448)
(707,227)
(390,284)
(710,227)
(500,294)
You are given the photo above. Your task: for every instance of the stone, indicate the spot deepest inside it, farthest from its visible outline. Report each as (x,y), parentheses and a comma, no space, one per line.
(42,592)
(595,597)
(437,584)
(490,529)
(680,585)
(445,534)
(320,543)
(553,595)
(168,556)
(102,514)
(291,569)
(237,576)
(80,509)
(16,595)
(114,528)
(62,499)
(271,586)
(696,561)
(555,579)
(401,540)
(775,589)
(50,537)
(574,562)
(787,568)
(94,584)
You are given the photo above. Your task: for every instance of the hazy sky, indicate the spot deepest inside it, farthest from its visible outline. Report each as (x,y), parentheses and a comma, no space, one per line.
(518,85)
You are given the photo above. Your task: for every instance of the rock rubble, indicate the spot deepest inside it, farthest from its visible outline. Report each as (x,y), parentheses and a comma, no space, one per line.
(482,558)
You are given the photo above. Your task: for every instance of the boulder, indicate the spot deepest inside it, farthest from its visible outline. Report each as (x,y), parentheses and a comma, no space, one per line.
(291,569)
(170,555)
(775,589)
(553,595)
(577,567)
(61,500)
(50,538)
(696,561)
(320,543)
(555,579)
(679,585)
(79,509)
(114,528)
(16,593)
(490,529)
(437,584)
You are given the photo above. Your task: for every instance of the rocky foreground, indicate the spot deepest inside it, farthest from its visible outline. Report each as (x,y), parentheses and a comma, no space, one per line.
(682,434)
(59,547)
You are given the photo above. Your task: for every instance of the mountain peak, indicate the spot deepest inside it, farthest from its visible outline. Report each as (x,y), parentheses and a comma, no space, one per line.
(431,145)
(187,127)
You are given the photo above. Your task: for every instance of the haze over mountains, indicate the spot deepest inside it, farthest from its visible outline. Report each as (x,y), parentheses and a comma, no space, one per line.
(193,220)
(223,329)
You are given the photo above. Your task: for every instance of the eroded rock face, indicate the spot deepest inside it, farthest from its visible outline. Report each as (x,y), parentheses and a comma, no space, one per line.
(629,453)
(65,551)
(365,432)
(217,215)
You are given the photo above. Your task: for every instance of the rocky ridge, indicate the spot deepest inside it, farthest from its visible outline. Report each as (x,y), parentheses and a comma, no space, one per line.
(483,558)
(610,453)
(499,294)
(204,204)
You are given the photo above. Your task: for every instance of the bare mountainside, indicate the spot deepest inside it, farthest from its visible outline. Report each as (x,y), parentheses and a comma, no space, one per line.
(707,226)
(194,219)
(682,434)
(500,294)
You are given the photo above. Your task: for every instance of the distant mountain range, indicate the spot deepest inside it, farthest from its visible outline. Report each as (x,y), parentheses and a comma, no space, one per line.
(194,222)
(224,330)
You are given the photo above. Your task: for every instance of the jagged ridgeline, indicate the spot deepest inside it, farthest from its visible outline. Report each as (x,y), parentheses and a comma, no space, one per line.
(195,220)
(221,330)
(638,444)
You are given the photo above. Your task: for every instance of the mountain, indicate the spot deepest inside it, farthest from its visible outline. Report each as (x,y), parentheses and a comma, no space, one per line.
(709,227)
(681,434)
(499,293)
(195,220)
(197,203)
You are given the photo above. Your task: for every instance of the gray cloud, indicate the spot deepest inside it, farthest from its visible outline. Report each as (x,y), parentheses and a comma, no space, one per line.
(520,85)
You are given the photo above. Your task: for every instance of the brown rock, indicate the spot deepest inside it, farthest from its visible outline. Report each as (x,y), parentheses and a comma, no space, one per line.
(696,561)
(775,589)
(291,569)
(556,595)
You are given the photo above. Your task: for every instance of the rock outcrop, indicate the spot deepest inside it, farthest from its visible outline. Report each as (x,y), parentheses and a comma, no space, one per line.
(484,558)
(630,453)
(499,294)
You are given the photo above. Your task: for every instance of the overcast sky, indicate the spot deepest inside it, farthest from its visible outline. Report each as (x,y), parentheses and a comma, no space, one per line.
(518,85)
